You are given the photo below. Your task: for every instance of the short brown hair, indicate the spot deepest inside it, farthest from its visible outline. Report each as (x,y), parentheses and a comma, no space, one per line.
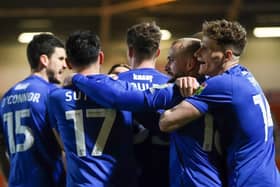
(228,34)
(144,38)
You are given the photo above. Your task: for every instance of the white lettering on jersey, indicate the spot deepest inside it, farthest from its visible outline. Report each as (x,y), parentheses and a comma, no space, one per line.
(18,129)
(109,116)
(261,102)
(143,77)
(72,95)
(21,98)
(143,86)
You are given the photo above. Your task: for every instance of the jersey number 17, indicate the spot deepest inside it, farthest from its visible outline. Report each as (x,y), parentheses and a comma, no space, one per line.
(109,116)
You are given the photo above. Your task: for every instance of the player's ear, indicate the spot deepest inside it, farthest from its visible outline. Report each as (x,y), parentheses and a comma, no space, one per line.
(191,63)
(228,55)
(44,60)
(101,57)
(157,52)
(130,52)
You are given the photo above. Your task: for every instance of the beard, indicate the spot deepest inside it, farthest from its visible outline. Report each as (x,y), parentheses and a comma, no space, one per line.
(52,78)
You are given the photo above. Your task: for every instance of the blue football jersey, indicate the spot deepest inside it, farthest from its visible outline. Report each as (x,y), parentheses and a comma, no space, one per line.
(35,157)
(143,79)
(97,140)
(195,153)
(153,166)
(196,158)
(243,118)
(122,95)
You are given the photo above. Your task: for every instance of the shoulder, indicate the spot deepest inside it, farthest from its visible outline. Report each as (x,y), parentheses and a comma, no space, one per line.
(30,85)
(217,89)
(54,91)
(58,93)
(223,78)
(36,84)
(163,75)
(231,80)
(218,83)
(127,73)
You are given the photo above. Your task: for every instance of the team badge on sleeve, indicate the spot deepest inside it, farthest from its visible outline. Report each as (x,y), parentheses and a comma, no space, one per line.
(200,88)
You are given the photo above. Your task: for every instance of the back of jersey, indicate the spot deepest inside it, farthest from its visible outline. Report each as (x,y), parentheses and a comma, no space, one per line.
(97,141)
(154,165)
(34,154)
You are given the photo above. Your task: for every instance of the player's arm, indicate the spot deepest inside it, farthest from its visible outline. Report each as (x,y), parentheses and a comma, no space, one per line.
(63,156)
(52,122)
(184,112)
(109,92)
(178,116)
(122,95)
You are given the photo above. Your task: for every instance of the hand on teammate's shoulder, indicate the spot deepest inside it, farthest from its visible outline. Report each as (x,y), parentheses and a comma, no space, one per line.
(187,85)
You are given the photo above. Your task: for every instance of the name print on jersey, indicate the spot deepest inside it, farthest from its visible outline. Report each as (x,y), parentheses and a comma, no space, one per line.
(143,77)
(21,98)
(72,95)
(146,84)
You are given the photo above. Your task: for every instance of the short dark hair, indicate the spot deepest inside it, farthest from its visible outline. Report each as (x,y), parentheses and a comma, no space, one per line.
(83,47)
(228,34)
(41,44)
(144,38)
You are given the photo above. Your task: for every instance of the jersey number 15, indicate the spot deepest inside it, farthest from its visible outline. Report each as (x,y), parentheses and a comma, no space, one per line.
(18,130)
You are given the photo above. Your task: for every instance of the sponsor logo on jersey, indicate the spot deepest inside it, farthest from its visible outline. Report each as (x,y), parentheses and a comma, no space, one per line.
(21,86)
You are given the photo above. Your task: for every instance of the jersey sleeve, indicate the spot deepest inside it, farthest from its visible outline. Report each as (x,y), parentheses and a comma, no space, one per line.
(122,95)
(212,93)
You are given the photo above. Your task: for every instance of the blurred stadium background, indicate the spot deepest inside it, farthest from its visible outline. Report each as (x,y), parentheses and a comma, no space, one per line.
(111,18)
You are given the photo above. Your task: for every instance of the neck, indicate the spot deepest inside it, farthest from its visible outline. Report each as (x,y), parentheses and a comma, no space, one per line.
(42,74)
(230,64)
(88,70)
(150,63)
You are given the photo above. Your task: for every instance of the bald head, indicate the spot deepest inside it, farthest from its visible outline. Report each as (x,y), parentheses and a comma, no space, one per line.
(181,60)
(186,46)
